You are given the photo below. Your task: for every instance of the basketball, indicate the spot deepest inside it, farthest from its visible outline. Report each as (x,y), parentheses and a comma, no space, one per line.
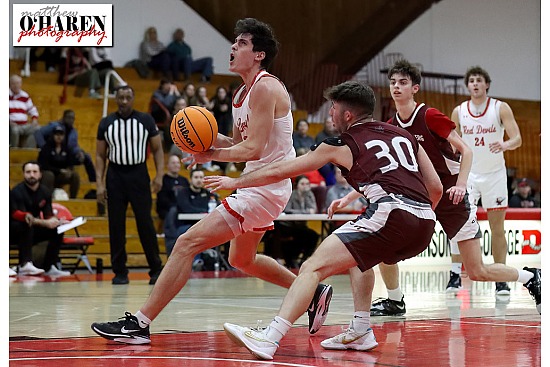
(194,129)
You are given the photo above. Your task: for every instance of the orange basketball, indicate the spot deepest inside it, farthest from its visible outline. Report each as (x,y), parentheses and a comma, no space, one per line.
(194,129)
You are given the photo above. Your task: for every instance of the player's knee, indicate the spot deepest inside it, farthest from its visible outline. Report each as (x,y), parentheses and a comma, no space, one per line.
(239,262)
(185,246)
(308,266)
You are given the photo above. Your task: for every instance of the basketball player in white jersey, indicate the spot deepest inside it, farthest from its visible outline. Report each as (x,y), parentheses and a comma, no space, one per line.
(482,121)
(262,134)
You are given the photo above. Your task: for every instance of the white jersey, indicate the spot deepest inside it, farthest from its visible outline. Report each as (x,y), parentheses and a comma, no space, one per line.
(279,146)
(480,131)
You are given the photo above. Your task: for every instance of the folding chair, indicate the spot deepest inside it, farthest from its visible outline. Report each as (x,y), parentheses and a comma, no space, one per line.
(73,243)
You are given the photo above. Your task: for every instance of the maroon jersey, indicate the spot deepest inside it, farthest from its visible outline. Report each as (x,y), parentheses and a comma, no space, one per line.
(431,128)
(384,162)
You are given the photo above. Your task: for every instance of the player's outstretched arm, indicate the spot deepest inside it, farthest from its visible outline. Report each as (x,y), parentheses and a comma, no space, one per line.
(274,172)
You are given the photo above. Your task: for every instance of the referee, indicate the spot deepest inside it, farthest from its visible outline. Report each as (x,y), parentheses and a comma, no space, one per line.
(122,139)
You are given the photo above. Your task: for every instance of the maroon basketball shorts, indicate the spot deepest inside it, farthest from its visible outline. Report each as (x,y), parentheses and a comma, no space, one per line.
(392,229)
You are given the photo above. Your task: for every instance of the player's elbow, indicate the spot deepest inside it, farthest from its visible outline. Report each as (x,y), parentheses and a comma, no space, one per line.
(436,191)
(519,141)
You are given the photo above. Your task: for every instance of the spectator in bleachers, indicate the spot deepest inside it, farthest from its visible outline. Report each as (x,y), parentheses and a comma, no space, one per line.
(300,137)
(21,108)
(523,196)
(302,239)
(57,163)
(153,53)
(220,105)
(188,93)
(71,140)
(328,131)
(191,199)
(51,56)
(172,183)
(161,107)
(202,97)
(75,69)
(100,59)
(32,221)
(182,56)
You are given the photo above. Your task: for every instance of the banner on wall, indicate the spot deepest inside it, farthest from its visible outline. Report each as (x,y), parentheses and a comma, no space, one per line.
(522,236)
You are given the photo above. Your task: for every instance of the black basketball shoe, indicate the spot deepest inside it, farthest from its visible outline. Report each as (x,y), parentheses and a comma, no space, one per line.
(318,309)
(455,282)
(388,307)
(534,286)
(127,330)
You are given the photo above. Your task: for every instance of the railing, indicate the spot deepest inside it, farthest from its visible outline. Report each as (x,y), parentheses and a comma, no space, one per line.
(121,82)
(26,71)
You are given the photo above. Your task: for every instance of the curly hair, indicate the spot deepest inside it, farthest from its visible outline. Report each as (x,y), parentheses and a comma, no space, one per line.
(263,38)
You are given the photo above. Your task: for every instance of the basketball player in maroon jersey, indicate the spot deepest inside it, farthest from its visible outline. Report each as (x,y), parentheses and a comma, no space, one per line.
(436,134)
(376,158)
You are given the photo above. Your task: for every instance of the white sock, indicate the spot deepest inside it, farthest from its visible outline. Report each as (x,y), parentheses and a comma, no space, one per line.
(524,276)
(361,321)
(395,294)
(277,329)
(456,268)
(143,320)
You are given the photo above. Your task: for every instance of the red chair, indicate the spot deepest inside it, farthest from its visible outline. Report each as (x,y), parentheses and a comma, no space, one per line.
(70,244)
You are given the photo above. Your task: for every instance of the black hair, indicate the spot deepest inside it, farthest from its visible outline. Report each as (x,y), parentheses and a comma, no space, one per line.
(263,38)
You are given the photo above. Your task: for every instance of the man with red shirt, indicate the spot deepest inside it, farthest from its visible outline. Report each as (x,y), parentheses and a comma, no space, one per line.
(21,108)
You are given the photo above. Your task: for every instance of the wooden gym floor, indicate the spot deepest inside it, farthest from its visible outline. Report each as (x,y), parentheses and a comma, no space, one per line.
(49,323)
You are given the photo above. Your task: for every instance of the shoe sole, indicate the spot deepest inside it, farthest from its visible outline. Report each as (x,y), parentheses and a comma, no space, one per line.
(373,313)
(344,347)
(126,339)
(233,335)
(502,293)
(322,312)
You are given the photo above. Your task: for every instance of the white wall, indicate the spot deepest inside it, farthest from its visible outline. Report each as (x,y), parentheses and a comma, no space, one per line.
(503,36)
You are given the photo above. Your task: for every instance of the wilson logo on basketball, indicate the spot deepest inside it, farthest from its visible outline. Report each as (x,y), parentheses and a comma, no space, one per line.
(185,133)
(194,129)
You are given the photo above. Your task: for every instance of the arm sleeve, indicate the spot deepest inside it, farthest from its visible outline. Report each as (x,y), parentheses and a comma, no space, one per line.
(439,123)
(17,207)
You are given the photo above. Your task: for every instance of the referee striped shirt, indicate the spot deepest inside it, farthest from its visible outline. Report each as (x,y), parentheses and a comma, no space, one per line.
(127,137)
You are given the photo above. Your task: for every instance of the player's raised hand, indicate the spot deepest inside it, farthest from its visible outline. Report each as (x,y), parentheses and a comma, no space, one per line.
(216,183)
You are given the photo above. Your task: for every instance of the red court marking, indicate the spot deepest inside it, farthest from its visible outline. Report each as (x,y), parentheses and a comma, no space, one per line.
(441,343)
